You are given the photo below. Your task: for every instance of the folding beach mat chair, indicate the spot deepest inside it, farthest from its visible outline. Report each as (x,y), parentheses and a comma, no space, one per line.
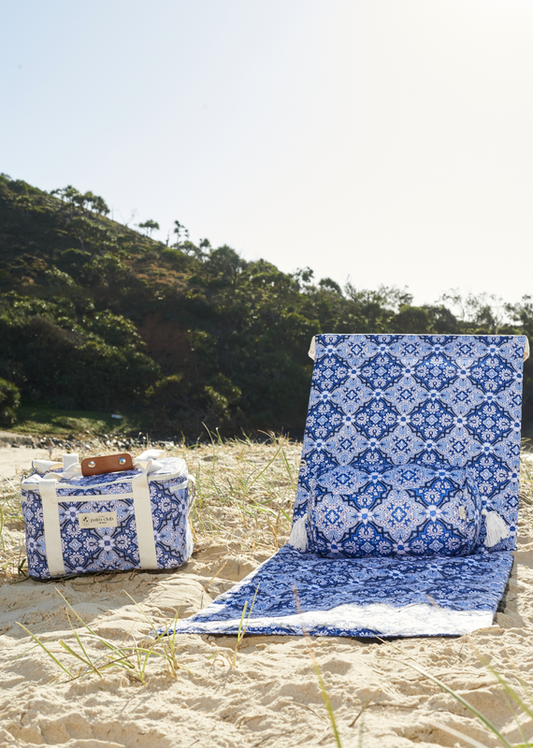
(407,503)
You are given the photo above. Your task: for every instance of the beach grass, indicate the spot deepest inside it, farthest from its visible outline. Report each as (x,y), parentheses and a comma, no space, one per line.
(76,657)
(12,549)
(245,490)
(517,696)
(245,493)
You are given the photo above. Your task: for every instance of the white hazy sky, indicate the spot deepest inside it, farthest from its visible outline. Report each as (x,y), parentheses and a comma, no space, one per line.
(390,141)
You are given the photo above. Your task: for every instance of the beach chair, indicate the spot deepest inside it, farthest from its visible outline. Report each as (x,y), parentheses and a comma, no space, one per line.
(407,503)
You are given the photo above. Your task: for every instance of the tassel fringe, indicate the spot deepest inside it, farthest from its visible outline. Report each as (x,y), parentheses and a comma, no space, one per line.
(496,528)
(298,538)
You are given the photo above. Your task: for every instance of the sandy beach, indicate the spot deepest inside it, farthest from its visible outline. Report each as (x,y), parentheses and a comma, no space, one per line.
(267,694)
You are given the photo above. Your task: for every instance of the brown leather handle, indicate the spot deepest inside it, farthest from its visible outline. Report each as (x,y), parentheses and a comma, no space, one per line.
(106,464)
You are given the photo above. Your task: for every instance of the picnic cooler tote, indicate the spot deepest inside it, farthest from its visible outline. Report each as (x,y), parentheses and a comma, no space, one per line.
(406,510)
(133,519)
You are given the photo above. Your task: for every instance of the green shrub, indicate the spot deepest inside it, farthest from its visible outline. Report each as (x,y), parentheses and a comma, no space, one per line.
(9,403)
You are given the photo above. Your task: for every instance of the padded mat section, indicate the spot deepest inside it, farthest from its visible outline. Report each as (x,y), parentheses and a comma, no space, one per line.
(299,592)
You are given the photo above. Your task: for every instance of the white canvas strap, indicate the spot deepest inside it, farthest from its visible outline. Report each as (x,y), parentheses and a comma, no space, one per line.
(141,506)
(191,484)
(70,466)
(52,529)
(143,519)
(44,466)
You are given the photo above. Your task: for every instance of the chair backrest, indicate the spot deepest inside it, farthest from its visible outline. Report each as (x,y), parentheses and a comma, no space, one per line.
(441,401)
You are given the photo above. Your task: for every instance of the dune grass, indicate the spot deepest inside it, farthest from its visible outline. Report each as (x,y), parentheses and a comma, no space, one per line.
(318,674)
(245,493)
(77,656)
(518,698)
(12,550)
(86,652)
(245,490)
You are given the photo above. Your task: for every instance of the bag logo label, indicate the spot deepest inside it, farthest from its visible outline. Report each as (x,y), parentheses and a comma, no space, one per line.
(97,519)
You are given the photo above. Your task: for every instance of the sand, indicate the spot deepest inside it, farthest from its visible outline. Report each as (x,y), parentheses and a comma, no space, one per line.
(270,697)
(13,460)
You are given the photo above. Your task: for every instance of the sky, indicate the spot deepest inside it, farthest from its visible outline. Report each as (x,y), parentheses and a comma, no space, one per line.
(381,141)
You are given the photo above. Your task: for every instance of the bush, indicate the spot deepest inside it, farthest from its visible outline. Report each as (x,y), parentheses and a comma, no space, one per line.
(9,403)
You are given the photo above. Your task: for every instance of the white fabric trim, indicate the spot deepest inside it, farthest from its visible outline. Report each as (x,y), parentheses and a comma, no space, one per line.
(33,481)
(191,484)
(52,530)
(88,497)
(143,519)
(70,461)
(148,454)
(44,466)
(312,348)
(47,486)
(412,620)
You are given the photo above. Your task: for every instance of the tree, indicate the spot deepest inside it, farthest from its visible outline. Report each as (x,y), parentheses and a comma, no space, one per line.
(441,320)
(328,284)
(9,403)
(303,277)
(387,297)
(223,266)
(149,226)
(181,233)
(66,194)
(87,201)
(97,204)
(411,319)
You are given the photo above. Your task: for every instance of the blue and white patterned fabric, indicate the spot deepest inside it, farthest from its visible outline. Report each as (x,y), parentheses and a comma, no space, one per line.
(407,496)
(405,510)
(441,402)
(301,592)
(107,504)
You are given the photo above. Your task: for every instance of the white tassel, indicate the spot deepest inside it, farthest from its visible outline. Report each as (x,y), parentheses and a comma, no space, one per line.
(298,538)
(496,528)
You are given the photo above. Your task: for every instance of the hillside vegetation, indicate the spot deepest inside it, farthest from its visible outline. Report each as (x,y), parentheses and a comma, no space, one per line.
(98,316)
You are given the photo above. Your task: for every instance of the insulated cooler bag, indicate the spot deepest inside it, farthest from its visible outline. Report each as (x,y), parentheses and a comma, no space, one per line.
(133,519)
